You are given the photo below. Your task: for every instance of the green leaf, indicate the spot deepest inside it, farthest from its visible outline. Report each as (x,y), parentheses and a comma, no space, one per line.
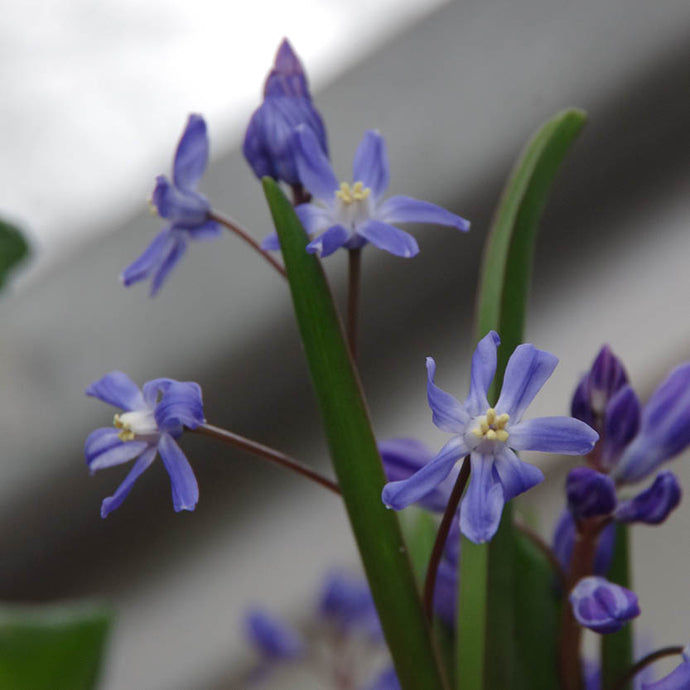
(13,249)
(419,530)
(537,608)
(617,648)
(502,300)
(57,647)
(355,456)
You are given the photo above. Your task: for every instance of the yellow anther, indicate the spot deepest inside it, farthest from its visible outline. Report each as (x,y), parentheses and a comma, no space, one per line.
(491,435)
(491,426)
(501,435)
(348,195)
(491,415)
(478,432)
(502,419)
(153,209)
(126,434)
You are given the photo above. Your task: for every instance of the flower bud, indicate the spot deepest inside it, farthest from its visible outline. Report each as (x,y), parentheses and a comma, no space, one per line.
(603,606)
(590,493)
(653,505)
(273,638)
(287,104)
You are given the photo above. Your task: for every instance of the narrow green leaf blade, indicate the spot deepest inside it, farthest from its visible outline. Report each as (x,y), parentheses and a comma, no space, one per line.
(355,455)
(57,647)
(13,250)
(502,300)
(617,648)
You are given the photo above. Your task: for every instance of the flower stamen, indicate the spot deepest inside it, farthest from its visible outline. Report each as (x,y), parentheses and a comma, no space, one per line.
(349,195)
(491,426)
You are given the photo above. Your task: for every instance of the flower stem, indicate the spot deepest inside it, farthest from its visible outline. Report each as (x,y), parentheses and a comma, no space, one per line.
(643,663)
(355,265)
(442,536)
(244,235)
(267,453)
(581,565)
(546,550)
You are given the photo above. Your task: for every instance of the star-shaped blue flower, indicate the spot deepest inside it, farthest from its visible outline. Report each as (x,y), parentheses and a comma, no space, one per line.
(491,435)
(350,215)
(179,202)
(152,419)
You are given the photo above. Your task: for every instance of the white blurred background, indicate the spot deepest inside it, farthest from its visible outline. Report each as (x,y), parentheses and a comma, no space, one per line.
(94,99)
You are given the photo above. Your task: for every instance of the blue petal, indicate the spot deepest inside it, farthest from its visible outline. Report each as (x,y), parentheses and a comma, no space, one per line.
(185,490)
(665,429)
(315,219)
(329,242)
(607,376)
(271,243)
(115,501)
(678,679)
(153,390)
(590,493)
(399,495)
(405,209)
(371,164)
(483,371)
(315,172)
(346,602)
(185,208)
(104,448)
(272,637)
(447,413)
(176,252)
(515,475)
(621,425)
(402,457)
(563,435)
(287,78)
(388,238)
(191,156)
(154,255)
(527,371)
(209,230)
(180,405)
(601,605)
(117,389)
(653,505)
(482,505)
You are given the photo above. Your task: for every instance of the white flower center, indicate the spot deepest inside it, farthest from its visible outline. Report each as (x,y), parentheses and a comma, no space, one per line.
(353,203)
(132,424)
(491,426)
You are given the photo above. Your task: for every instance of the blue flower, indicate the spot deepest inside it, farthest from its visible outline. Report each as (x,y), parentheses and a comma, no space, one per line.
(678,679)
(275,639)
(153,418)
(180,203)
(347,604)
(350,215)
(491,435)
(564,542)
(601,605)
(268,145)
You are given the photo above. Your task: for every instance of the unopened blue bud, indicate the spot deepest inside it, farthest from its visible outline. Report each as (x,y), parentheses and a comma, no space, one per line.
(603,606)
(653,505)
(620,426)
(268,145)
(590,493)
(606,377)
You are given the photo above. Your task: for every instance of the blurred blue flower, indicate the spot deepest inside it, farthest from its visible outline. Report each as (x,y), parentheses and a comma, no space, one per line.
(350,215)
(346,603)
(601,605)
(274,639)
(179,202)
(152,419)
(268,145)
(491,435)
(678,679)
(564,541)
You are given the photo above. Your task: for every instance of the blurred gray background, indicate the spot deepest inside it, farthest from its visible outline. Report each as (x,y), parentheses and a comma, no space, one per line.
(94,110)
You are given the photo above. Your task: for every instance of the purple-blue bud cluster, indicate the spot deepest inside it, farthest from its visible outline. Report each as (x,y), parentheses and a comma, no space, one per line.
(268,145)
